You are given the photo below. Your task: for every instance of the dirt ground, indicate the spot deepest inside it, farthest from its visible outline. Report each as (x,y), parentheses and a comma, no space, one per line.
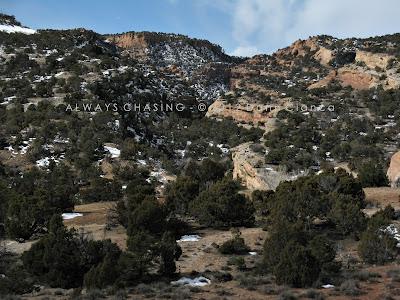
(381,197)
(16,247)
(202,256)
(94,223)
(15,161)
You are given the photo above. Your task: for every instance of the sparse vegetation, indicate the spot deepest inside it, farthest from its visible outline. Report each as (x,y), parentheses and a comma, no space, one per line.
(161,181)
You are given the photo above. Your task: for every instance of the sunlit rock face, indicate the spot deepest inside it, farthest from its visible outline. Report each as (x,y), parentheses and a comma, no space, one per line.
(393,172)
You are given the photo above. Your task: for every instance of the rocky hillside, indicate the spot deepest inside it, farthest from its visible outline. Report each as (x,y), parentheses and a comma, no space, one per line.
(320,101)
(140,141)
(9,20)
(204,65)
(139,92)
(10,25)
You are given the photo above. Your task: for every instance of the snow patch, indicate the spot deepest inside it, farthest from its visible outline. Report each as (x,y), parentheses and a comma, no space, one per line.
(189,238)
(7,100)
(142,162)
(113,151)
(181,153)
(59,74)
(14,29)
(394,232)
(44,162)
(69,216)
(198,281)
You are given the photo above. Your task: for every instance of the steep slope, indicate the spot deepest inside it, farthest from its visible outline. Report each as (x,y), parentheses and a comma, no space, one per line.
(200,63)
(10,25)
(137,91)
(393,172)
(320,101)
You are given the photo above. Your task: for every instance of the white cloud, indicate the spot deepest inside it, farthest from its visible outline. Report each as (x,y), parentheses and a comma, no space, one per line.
(267,25)
(344,18)
(245,51)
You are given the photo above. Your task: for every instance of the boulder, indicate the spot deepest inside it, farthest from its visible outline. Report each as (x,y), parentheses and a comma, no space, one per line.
(250,168)
(393,172)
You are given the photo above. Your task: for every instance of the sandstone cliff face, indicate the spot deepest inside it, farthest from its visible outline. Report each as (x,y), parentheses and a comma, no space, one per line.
(135,42)
(284,76)
(324,55)
(128,40)
(245,112)
(373,60)
(250,168)
(356,78)
(393,172)
(299,48)
(324,81)
(366,70)
(359,78)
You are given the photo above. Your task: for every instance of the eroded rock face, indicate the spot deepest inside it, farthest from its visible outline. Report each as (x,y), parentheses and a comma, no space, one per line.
(245,113)
(373,60)
(128,40)
(133,41)
(324,55)
(349,66)
(299,48)
(393,172)
(356,78)
(359,78)
(250,169)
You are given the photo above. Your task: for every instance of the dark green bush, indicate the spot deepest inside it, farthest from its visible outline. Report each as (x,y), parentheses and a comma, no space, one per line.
(236,245)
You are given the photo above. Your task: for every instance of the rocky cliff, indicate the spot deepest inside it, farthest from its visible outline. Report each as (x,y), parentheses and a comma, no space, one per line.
(135,42)
(393,172)
(309,75)
(357,78)
(198,63)
(247,113)
(250,168)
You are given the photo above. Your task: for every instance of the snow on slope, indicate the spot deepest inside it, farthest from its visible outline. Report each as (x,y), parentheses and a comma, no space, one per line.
(12,29)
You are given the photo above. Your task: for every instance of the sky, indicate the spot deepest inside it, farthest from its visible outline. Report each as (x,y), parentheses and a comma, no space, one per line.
(241,27)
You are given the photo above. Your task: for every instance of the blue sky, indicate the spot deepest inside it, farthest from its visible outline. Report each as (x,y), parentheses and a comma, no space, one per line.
(241,27)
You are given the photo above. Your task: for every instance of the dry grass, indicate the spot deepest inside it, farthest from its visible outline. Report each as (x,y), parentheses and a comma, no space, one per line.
(383,196)
(94,222)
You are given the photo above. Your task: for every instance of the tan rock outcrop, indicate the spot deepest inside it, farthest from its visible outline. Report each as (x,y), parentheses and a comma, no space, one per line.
(324,81)
(373,60)
(393,172)
(356,78)
(246,168)
(324,55)
(135,42)
(128,40)
(241,73)
(250,169)
(299,48)
(248,113)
